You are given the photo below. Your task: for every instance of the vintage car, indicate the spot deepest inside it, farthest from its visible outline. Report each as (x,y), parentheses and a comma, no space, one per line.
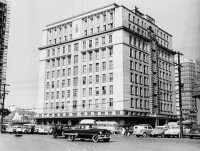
(175,132)
(194,132)
(10,129)
(142,130)
(58,129)
(159,131)
(87,130)
(43,129)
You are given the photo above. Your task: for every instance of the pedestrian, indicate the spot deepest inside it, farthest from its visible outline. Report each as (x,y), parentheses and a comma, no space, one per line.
(123,131)
(126,131)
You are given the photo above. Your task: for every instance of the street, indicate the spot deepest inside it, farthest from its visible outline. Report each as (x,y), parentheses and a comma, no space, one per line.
(118,143)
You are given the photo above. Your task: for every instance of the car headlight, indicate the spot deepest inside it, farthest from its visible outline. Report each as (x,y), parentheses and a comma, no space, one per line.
(100,132)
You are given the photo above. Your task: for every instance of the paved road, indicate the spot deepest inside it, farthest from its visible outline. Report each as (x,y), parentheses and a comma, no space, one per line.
(117,143)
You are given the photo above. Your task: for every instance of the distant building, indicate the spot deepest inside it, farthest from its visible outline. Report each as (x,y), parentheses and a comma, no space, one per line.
(4,33)
(111,63)
(190,70)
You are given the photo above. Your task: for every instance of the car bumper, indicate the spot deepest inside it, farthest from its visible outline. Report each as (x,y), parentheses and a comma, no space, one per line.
(104,137)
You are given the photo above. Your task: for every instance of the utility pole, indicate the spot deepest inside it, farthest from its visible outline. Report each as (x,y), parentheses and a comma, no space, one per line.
(4,95)
(180,95)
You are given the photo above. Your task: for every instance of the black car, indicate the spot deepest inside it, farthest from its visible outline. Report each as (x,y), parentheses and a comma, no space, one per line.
(58,129)
(194,132)
(87,131)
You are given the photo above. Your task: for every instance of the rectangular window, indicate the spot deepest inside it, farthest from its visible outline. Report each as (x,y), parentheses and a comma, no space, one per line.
(103,78)
(75,83)
(90,91)
(69,48)
(74,104)
(103,90)
(90,43)
(84,68)
(68,82)
(111,52)
(97,55)
(52,84)
(62,105)
(103,103)
(97,67)
(63,72)
(111,89)
(110,64)
(110,38)
(103,53)
(90,56)
(57,105)
(52,95)
(84,92)
(110,102)
(47,85)
(84,80)
(69,71)
(111,77)
(90,103)
(84,44)
(84,57)
(103,40)
(58,73)
(97,91)
(69,60)
(63,83)
(68,93)
(97,78)
(90,79)
(76,59)
(75,93)
(63,94)
(103,66)
(47,95)
(96,41)
(76,47)
(90,68)
(57,84)
(83,104)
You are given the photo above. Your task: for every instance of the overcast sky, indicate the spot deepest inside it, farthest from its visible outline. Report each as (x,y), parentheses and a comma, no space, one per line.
(180,18)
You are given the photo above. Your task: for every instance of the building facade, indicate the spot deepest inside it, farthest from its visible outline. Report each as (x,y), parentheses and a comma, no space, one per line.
(4,33)
(189,73)
(110,63)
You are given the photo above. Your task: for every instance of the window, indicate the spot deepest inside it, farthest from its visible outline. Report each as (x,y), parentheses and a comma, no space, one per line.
(52,95)
(90,68)
(63,83)
(84,68)
(69,48)
(52,84)
(69,60)
(96,103)
(84,80)
(90,91)
(90,79)
(103,40)
(53,63)
(75,83)
(90,43)
(97,55)
(90,56)
(62,105)
(96,41)
(75,93)
(69,71)
(103,103)
(63,61)
(48,75)
(47,95)
(57,105)
(58,73)
(111,89)
(97,91)
(76,47)
(103,53)
(48,53)
(68,93)
(103,66)
(110,38)
(53,52)
(83,103)
(136,91)
(47,85)
(103,78)
(63,94)
(48,64)
(110,102)
(74,104)
(84,44)
(111,64)
(68,82)
(111,77)
(111,52)
(63,72)
(90,103)
(76,59)
(97,79)
(97,67)
(104,90)
(75,70)
(57,85)
(84,57)
(84,92)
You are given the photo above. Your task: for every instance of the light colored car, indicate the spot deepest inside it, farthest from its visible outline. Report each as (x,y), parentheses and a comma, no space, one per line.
(175,132)
(10,129)
(43,129)
(142,130)
(159,131)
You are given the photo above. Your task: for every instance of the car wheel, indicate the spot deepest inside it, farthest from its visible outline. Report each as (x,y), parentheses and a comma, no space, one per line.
(71,138)
(95,138)
(137,136)
(144,134)
(25,132)
(106,140)
(162,135)
(177,136)
(191,137)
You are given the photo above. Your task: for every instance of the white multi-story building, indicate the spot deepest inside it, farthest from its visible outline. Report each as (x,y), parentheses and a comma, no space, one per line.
(110,63)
